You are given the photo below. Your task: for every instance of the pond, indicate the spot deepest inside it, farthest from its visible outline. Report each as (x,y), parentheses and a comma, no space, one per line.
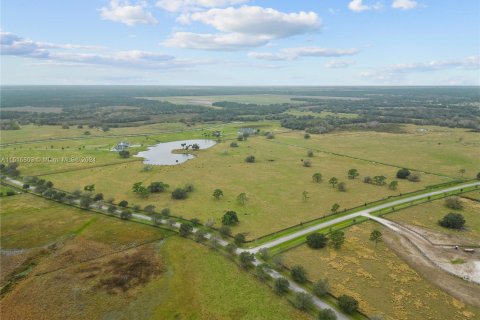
(161,154)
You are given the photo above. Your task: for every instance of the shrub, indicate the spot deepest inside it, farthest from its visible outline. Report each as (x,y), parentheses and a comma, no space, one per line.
(158,186)
(123,203)
(234,145)
(281,285)
(317,240)
(98,197)
(307,163)
(403,173)
(246,259)
(126,214)
(347,303)
(303,301)
(414,177)
(453,203)
(321,287)
(225,231)
(299,274)
(239,239)
(326,314)
(310,153)
(124,154)
(185,229)
(189,188)
(230,218)
(452,221)
(250,159)
(179,194)
(165,212)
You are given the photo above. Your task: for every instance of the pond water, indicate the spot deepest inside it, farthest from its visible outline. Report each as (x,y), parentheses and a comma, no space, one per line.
(161,154)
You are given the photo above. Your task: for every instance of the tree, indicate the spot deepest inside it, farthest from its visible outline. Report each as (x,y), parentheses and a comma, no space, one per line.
(310,153)
(270,135)
(90,187)
(234,145)
(225,231)
(321,287)
(158,186)
(317,240)
(230,218)
(281,285)
(242,199)
(250,159)
(342,186)
(246,259)
(393,185)
(185,229)
(213,243)
(305,195)
(123,203)
(376,236)
(414,177)
(326,314)
(149,209)
(478,176)
(49,184)
(307,163)
(403,173)
(165,212)
(264,253)
(125,214)
(367,179)
(179,194)
(189,187)
(98,197)
(299,274)
(195,146)
(379,180)
(317,177)
(261,273)
(303,301)
(85,202)
(347,303)
(335,207)
(239,239)
(195,222)
(124,154)
(337,239)
(277,261)
(353,173)
(333,181)
(462,171)
(217,194)
(306,136)
(454,203)
(26,186)
(200,235)
(111,209)
(231,249)
(452,221)
(139,189)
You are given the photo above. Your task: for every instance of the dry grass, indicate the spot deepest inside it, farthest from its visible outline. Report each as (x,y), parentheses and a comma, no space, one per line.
(378,279)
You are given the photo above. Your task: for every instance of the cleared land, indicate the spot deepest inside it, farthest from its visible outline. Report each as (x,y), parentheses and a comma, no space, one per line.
(274,184)
(263,99)
(427,216)
(323,114)
(81,275)
(378,278)
(432,149)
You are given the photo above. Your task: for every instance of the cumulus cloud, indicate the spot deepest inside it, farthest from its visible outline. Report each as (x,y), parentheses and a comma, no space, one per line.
(404,4)
(395,71)
(338,64)
(129,14)
(14,45)
(359,6)
(299,52)
(244,27)
(194,5)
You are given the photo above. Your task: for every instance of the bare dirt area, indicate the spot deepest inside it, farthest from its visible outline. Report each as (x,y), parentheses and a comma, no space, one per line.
(429,260)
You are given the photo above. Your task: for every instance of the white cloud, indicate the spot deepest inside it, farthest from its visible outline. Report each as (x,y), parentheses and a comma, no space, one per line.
(299,52)
(244,27)
(338,64)
(129,14)
(209,41)
(398,70)
(194,5)
(14,45)
(404,4)
(359,6)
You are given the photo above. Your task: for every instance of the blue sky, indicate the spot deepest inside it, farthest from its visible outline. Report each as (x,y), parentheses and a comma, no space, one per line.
(241,42)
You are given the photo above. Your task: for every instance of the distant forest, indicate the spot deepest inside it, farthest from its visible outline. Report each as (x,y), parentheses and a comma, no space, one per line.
(115,106)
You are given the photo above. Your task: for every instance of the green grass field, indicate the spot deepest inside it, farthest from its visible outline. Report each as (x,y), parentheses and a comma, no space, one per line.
(274,184)
(68,279)
(439,150)
(427,216)
(378,279)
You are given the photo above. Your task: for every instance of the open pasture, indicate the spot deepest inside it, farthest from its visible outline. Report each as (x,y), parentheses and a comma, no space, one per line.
(274,184)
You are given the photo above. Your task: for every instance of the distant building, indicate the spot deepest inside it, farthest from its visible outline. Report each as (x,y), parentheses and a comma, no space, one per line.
(121,146)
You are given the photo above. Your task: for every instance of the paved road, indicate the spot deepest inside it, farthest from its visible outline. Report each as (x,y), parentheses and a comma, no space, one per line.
(351,216)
